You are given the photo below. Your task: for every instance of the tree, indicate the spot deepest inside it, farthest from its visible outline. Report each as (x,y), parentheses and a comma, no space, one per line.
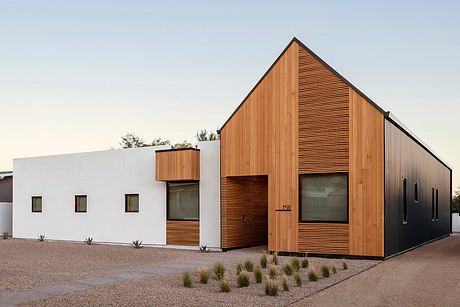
(203,135)
(159,142)
(184,144)
(456,202)
(130,140)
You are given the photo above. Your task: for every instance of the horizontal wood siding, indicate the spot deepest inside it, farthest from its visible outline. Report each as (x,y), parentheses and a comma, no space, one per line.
(177,165)
(323,238)
(183,233)
(323,118)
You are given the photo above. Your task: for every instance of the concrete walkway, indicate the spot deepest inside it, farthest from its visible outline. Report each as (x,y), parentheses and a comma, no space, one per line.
(426,276)
(34,294)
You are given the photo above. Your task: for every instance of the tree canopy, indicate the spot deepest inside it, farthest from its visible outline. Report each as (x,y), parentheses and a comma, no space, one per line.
(456,202)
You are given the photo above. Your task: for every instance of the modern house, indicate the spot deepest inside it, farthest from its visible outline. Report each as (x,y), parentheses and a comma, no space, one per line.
(306,164)
(6,201)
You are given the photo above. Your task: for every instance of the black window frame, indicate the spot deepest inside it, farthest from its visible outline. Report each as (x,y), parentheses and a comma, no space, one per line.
(32,203)
(416,192)
(437,205)
(76,203)
(319,221)
(432,204)
(404,202)
(167,200)
(127,203)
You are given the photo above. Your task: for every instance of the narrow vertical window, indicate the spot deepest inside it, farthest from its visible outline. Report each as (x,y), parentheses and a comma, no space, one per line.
(437,206)
(404,199)
(416,193)
(36,204)
(80,203)
(432,204)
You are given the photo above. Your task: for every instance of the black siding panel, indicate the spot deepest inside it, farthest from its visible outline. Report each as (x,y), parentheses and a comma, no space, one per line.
(404,158)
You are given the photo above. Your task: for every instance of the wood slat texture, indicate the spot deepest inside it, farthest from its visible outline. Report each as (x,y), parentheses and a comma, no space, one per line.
(323,118)
(261,139)
(366,178)
(246,197)
(183,233)
(323,238)
(177,165)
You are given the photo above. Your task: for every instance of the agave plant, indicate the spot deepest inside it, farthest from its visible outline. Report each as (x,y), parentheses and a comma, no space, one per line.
(41,238)
(137,244)
(89,241)
(5,236)
(204,248)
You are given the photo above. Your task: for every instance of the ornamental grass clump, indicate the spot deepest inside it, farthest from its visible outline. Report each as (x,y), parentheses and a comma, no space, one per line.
(271,287)
(345,265)
(272,272)
(204,275)
(297,279)
(224,285)
(248,265)
(312,276)
(287,269)
(263,260)
(239,268)
(285,283)
(257,275)
(305,263)
(243,279)
(325,271)
(334,269)
(219,270)
(274,259)
(5,235)
(186,279)
(295,264)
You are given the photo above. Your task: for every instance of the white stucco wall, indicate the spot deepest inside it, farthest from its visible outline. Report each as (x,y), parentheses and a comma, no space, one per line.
(6,217)
(105,177)
(210,193)
(455,222)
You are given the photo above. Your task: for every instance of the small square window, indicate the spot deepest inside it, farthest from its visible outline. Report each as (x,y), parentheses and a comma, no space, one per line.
(80,203)
(131,202)
(36,204)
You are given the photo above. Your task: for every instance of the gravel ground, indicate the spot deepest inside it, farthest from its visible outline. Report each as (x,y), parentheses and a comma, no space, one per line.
(28,263)
(168,290)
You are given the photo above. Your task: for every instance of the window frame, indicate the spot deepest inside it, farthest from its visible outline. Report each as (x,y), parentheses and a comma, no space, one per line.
(76,203)
(167,201)
(127,203)
(405,208)
(32,203)
(320,221)
(416,192)
(437,205)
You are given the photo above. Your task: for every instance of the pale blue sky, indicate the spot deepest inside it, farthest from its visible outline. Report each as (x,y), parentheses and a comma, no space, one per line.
(76,75)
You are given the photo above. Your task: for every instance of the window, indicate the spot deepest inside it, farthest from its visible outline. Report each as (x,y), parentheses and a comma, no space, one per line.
(80,203)
(183,201)
(404,200)
(437,206)
(324,198)
(432,204)
(416,193)
(36,204)
(131,202)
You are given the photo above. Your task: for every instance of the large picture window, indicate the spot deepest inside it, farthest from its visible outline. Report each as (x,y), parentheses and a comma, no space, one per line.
(324,198)
(183,201)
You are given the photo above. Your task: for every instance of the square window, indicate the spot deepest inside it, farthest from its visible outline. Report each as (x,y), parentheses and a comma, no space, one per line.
(131,202)
(80,203)
(324,198)
(36,204)
(183,201)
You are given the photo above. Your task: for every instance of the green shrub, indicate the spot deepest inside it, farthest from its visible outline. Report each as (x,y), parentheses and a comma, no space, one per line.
(295,264)
(312,276)
(272,272)
(287,269)
(219,270)
(89,241)
(224,285)
(248,265)
(41,238)
(285,283)
(137,244)
(263,260)
(239,268)
(274,259)
(334,269)
(186,279)
(345,265)
(5,235)
(257,275)
(271,287)
(243,279)
(305,263)
(204,275)
(325,271)
(298,279)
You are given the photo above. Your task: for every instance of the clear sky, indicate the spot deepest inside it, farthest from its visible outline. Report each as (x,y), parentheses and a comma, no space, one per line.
(76,75)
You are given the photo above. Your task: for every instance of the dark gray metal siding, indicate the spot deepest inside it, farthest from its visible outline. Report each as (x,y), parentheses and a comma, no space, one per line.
(404,158)
(6,189)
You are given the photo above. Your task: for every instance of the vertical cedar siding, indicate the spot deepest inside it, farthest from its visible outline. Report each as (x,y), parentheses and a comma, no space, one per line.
(183,233)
